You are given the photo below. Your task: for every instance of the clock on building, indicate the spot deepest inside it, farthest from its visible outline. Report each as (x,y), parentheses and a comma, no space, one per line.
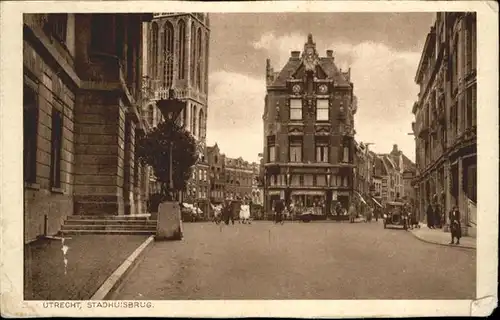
(296,88)
(323,89)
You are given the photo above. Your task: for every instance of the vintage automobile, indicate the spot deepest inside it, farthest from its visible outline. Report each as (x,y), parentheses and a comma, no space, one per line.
(395,214)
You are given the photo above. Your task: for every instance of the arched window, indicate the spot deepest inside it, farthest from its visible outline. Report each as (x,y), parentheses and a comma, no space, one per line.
(182,49)
(193,52)
(168,55)
(198,59)
(193,124)
(206,63)
(201,131)
(154,50)
(184,118)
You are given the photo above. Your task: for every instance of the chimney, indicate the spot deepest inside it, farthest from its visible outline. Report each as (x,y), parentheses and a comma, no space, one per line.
(329,53)
(295,54)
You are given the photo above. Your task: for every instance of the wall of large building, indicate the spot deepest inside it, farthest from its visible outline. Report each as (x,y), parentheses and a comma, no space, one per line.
(80,117)
(445,116)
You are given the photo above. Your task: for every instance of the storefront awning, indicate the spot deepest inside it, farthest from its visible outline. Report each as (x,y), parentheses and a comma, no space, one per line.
(273,192)
(308,192)
(360,197)
(377,203)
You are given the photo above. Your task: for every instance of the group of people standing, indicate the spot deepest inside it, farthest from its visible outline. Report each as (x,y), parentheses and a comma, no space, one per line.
(225,212)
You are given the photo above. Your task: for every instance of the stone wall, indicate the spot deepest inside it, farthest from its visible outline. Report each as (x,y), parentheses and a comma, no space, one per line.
(46,206)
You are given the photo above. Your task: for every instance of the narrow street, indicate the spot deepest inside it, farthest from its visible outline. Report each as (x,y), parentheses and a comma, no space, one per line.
(319,260)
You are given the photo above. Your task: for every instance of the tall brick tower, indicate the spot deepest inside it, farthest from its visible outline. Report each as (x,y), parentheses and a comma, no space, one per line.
(177,57)
(309,132)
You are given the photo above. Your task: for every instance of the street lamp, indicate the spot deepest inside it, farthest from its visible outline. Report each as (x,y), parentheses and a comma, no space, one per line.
(170,107)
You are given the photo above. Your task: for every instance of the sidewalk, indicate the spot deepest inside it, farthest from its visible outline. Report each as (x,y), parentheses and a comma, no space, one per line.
(90,260)
(438,236)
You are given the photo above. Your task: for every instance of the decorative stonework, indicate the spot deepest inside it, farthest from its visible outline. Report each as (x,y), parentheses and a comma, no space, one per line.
(310,57)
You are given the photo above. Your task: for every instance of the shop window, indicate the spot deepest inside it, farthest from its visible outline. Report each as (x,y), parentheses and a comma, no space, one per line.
(295,109)
(56,147)
(322,110)
(295,149)
(30,128)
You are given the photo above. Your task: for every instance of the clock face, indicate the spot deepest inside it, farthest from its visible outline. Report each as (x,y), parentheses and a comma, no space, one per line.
(323,88)
(296,88)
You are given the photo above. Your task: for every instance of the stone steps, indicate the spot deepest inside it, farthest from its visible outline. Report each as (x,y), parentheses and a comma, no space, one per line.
(111,222)
(109,217)
(108,227)
(108,232)
(94,224)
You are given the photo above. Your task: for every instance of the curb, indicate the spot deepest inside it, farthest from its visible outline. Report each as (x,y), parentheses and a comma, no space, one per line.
(442,244)
(118,275)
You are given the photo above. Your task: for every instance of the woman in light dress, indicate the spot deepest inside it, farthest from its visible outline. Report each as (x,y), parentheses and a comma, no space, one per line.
(245,213)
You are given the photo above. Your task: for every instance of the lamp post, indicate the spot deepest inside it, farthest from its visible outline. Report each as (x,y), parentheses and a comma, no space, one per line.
(170,107)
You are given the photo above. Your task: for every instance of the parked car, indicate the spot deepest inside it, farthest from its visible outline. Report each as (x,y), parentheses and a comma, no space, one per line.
(395,214)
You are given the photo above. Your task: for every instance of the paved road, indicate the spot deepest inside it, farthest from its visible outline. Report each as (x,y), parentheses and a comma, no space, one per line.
(319,260)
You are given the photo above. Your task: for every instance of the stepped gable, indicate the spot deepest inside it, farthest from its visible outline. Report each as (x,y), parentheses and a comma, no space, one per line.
(324,66)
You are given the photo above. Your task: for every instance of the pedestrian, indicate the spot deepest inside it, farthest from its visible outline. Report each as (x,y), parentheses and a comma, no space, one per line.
(437,215)
(370,214)
(245,213)
(278,210)
(430,216)
(352,213)
(455,225)
(228,212)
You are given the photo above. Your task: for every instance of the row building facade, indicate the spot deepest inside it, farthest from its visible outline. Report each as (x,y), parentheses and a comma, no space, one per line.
(308,132)
(445,125)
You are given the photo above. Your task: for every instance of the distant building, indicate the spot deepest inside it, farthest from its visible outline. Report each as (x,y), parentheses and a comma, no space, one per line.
(309,132)
(229,178)
(82,112)
(445,124)
(216,161)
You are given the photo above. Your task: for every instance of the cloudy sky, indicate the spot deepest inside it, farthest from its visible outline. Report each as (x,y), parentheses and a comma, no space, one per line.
(382,50)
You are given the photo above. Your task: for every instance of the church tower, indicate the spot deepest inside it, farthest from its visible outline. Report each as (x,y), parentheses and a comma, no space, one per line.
(178,45)
(177,58)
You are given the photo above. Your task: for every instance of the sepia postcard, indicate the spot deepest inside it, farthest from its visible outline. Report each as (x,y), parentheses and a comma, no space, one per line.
(305,159)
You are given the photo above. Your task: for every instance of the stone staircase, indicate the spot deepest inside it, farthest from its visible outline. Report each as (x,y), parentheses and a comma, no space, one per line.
(129,224)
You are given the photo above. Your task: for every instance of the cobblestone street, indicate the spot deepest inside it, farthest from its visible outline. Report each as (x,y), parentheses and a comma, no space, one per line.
(319,260)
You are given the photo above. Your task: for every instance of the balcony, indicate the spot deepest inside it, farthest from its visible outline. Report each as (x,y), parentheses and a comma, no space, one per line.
(155,90)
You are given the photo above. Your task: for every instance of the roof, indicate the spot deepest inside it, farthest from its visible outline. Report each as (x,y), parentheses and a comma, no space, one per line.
(326,65)
(408,164)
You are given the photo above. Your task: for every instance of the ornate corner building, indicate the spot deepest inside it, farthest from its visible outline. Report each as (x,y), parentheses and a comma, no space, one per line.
(177,58)
(308,132)
(445,117)
(81,111)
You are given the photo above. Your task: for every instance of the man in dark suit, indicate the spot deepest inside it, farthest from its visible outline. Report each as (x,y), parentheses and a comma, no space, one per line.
(455,225)
(279,206)
(430,216)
